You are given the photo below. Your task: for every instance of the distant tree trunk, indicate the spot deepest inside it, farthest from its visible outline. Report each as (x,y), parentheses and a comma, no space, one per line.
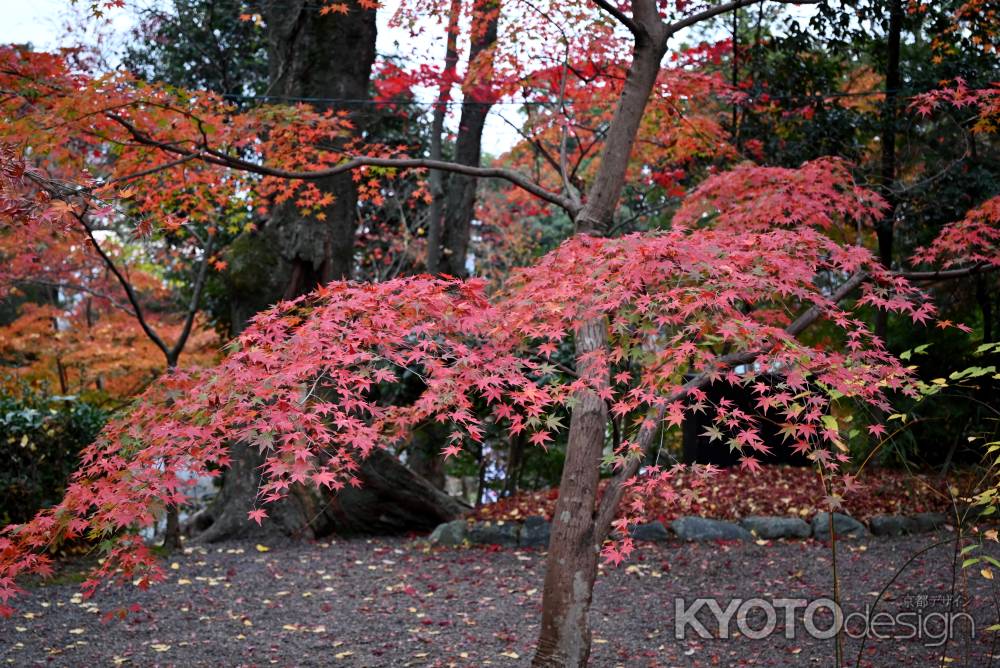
(436,178)
(478,99)
(515,464)
(885,230)
(450,215)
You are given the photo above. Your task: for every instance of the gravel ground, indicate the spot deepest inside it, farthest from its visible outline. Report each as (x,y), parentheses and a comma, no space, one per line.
(394,602)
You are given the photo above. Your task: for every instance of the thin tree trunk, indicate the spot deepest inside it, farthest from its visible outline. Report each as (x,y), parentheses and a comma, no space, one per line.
(515,464)
(735,76)
(885,230)
(476,104)
(574,547)
(172,532)
(436,178)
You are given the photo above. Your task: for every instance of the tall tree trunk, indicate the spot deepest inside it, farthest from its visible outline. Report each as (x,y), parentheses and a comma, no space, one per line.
(424,451)
(478,99)
(887,176)
(325,59)
(575,543)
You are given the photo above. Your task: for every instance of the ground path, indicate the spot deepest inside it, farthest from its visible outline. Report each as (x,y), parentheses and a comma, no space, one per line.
(394,602)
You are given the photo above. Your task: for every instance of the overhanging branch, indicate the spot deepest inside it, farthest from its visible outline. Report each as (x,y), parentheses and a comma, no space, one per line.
(214,157)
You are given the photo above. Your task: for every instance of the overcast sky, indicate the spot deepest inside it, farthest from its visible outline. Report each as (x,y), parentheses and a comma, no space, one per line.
(42,23)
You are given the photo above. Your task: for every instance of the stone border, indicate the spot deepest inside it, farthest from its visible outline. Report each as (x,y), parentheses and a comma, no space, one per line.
(534,531)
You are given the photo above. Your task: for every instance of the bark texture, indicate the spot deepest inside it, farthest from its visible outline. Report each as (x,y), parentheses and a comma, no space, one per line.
(391,500)
(325,60)
(571,566)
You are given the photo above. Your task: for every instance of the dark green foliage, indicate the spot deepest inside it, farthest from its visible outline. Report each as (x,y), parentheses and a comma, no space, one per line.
(40,441)
(202,45)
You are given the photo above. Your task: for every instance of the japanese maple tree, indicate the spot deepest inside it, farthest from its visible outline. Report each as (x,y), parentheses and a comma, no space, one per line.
(754,256)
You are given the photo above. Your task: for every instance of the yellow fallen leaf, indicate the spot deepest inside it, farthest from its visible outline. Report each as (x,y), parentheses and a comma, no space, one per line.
(174,566)
(511,655)
(290,627)
(76,632)
(343,655)
(263,548)
(987,573)
(160,647)
(183,581)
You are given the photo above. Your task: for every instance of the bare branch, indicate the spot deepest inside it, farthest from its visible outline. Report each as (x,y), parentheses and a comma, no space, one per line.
(151,170)
(710,12)
(74,287)
(946,274)
(225,160)
(192,309)
(133,299)
(619,16)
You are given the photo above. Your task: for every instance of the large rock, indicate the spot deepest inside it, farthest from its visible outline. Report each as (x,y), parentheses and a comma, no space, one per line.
(929,521)
(776,527)
(450,533)
(699,528)
(893,525)
(535,532)
(494,533)
(843,525)
(653,531)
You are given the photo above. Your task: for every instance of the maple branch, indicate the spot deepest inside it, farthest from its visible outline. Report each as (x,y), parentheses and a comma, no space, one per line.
(711,12)
(222,159)
(537,145)
(151,170)
(133,299)
(79,288)
(192,309)
(619,16)
(945,274)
